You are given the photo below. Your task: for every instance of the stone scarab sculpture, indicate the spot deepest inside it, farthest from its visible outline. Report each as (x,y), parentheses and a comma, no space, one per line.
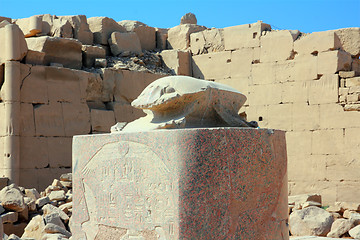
(186,102)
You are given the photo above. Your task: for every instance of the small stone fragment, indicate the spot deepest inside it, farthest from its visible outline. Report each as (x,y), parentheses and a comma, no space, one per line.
(100,63)
(42,201)
(52,228)
(35,228)
(66,177)
(32,193)
(355,232)
(48,208)
(13,237)
(12,199)
(30,203)
(54,218)
(340,227)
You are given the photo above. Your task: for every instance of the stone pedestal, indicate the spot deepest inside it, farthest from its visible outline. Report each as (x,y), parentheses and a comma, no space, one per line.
(209,183)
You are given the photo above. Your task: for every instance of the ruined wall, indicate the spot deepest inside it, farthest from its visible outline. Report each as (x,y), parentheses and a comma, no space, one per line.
(305,84)
(78,76)
(56,100)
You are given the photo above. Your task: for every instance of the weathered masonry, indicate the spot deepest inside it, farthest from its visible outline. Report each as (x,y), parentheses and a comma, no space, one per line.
(69,75)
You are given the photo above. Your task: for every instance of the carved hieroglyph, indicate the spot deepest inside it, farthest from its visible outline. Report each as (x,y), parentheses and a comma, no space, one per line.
(198,183)
(186,102)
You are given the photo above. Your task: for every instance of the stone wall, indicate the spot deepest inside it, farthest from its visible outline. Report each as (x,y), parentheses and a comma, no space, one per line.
(78,76)
(306,84)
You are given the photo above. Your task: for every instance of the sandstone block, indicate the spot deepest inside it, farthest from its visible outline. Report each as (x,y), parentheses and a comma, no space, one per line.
(312,221)
(355,232)
(324,90)
(212,66)
(58,50)
(334,116)
(30,26)
(265,94)
(244,36)
(121,42)
(286,71)
(61,28)
(109,77)
(146,34)
(333,62)
(90,53)
(240,84)
(59,149)
(317,42)
(34,86)
(35,228)
(124,112)
(305,117)
(27,126)
(277,120)
(35,58)
(76,118)
(129,84)
(350,214)
(179,36)
(9,217)
(352,82)
(12,199)
(5,18)
(13,46)
(241,65)
(262,73)
(356,66)
(306,68)
(80,27)
(303,198)
(91,86)
(161,38)
(340,227)
(188,18)
(209,40)
(347,74)
(102,120)
(349,39)
(178,60)
(329,141)
(171,192)
(49,120)
(102,28)
(277,46)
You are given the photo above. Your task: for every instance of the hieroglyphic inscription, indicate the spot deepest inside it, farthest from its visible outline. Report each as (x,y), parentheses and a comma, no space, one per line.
(131,188)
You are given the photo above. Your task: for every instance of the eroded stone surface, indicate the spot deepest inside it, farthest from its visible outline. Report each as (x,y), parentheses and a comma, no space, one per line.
(184,102)
(148,184)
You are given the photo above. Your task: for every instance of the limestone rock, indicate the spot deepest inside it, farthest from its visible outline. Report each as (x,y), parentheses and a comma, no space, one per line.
(12,199)
(54,236)
(355,232)
(102,28)
(48,209)
(30,203)
(188,18)
(179,36)
(58,50)
(13,237)
(52,228)
(311,221)
(182,102)
(32,193)
(57,195)
(146,34)
(42,201)
(121,42)
(54,218)
(35,228)
(340,227)
(90,53)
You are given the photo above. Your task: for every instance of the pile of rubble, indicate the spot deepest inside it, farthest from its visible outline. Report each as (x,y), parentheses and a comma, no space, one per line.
(309,218)
(45,215)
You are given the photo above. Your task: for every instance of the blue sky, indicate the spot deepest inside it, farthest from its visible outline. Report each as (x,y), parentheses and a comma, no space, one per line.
(304,15)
